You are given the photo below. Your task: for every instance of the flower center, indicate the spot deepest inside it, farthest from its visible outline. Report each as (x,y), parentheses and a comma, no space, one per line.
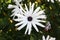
(29,18)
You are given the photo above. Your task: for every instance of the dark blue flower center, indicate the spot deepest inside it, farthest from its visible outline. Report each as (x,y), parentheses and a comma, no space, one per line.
(29,18)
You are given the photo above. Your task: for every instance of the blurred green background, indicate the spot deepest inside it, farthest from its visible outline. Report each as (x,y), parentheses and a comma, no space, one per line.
(8,30)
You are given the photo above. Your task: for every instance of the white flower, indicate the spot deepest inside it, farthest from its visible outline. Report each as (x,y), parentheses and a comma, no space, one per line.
(48,38)
(51,1)
(29,17)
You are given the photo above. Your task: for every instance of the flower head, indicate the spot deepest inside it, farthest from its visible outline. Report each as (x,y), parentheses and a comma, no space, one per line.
(29,17)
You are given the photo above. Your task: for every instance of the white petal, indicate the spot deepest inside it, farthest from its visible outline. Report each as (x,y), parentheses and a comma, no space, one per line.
(13,14)
(17,19)
(19,23)
(36,10)
(30,28)
(41,21)
(43,37)
(14,10)
(22,26)
(35,27)
(27,29)
(29,6)
(41,17)
(47,37)
(26,7)
(22,9)
(39,24)
(11,6)
(32,8)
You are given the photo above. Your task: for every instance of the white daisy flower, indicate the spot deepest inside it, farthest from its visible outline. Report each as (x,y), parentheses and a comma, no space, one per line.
(51,1)
(48,38)
(29,17)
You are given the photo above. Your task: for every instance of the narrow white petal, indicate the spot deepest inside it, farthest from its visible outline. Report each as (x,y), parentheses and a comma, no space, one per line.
(32,8)
(35,27)
(27,29)
(22,9)
(22,26)
(47,37)
(29,6)
(41,17)
(40,24)
(14,10)
(30,28)
(13,14)
(11,6)
(26,7)
(19,23)
(41,21)
(17,19)
(36,10)
(43,37)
